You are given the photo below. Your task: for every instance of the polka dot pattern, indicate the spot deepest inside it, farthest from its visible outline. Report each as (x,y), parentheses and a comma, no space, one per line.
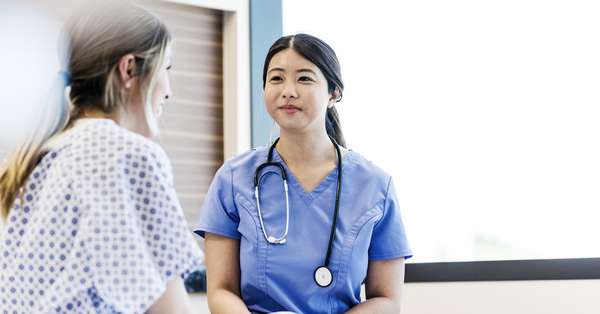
(98,228)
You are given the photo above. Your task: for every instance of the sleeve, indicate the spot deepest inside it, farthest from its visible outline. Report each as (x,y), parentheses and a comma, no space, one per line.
(219,214)
(134,235)
(389,237)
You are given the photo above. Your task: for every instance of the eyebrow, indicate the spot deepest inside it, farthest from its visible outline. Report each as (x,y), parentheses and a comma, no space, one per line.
(298,71)
(307,70)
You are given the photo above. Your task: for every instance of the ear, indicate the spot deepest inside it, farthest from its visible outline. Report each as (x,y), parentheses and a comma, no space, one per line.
(335,97)
(126,69)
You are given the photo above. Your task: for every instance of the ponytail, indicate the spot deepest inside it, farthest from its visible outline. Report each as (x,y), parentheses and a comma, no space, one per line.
(333,126)
(21,163)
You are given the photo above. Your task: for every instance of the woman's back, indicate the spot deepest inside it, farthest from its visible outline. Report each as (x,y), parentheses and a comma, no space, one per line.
(97,227)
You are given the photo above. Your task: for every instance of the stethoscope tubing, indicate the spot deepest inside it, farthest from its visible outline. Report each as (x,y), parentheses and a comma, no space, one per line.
(282,239)
(271,239)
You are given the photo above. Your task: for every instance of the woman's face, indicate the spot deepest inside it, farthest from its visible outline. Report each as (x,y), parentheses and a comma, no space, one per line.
(162,89)
(141,117)
(296,93)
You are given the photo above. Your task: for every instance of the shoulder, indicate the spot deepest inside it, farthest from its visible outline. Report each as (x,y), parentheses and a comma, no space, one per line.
(368,170)
(239,170)
(122,140)
(247,161)
(107,144)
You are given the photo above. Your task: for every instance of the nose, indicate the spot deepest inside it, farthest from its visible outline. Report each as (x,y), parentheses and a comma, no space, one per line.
(289,90)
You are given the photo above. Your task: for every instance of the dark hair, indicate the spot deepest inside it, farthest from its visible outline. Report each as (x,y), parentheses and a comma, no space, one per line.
(323,56)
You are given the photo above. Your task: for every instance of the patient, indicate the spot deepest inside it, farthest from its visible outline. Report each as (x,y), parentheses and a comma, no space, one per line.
(91,219)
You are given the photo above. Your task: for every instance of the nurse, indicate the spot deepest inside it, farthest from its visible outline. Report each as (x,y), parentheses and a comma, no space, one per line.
(299,225)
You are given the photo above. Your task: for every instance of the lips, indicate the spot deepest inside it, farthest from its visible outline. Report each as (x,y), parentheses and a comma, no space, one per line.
(290,108)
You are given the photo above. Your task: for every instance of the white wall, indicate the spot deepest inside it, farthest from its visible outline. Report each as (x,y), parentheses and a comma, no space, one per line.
(29,63)
(514,297)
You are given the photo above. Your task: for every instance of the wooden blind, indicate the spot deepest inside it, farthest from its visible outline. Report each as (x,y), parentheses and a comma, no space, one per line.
(192,121)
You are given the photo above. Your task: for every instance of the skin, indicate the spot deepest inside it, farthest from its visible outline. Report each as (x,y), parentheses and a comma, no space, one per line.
(297,97)
(222,258)
(133,114)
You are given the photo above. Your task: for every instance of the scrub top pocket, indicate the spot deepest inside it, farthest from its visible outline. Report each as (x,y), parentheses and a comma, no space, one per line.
(248,227)
(253,248)
(353,261)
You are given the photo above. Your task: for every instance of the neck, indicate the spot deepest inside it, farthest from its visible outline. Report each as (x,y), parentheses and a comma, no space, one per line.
(306,149)
(125,120)
(96,114)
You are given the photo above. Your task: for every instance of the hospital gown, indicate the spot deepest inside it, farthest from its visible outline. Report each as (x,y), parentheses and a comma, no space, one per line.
(97,229)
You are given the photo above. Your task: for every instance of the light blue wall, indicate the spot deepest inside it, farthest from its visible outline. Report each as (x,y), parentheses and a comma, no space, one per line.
(265,27)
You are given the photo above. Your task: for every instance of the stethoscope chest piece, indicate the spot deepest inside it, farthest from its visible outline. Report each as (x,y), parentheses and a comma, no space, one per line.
(323,276)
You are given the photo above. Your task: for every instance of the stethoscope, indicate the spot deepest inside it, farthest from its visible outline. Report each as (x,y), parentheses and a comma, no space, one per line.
(322,275)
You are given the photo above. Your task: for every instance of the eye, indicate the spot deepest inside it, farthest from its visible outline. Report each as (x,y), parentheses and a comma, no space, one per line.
(276,78)
(305,79)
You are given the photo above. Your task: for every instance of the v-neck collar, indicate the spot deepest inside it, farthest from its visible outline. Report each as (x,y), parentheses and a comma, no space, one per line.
(309,197)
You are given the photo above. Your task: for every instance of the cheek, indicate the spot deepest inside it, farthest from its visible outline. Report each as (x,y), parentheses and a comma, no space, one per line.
(270,98)
(160,91)
(155,97)
(318,100)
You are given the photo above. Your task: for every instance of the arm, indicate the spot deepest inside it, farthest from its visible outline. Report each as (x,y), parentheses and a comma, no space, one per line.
(174,300)
(223,275)
(385,279)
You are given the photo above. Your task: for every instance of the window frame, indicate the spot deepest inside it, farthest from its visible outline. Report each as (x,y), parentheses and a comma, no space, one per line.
(504,270)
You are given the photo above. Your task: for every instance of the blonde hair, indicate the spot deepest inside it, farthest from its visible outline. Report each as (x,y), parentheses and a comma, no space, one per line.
(96,39)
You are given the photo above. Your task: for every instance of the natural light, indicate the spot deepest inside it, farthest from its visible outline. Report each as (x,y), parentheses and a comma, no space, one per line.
(487,114)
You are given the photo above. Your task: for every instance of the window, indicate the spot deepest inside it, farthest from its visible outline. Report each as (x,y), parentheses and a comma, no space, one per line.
(487,114)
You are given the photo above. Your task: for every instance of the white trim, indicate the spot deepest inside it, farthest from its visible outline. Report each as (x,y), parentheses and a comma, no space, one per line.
(236,81)
(236,72)
(221,5)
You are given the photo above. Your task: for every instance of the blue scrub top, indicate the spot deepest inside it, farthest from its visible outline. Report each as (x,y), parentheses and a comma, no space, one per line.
(277,277)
